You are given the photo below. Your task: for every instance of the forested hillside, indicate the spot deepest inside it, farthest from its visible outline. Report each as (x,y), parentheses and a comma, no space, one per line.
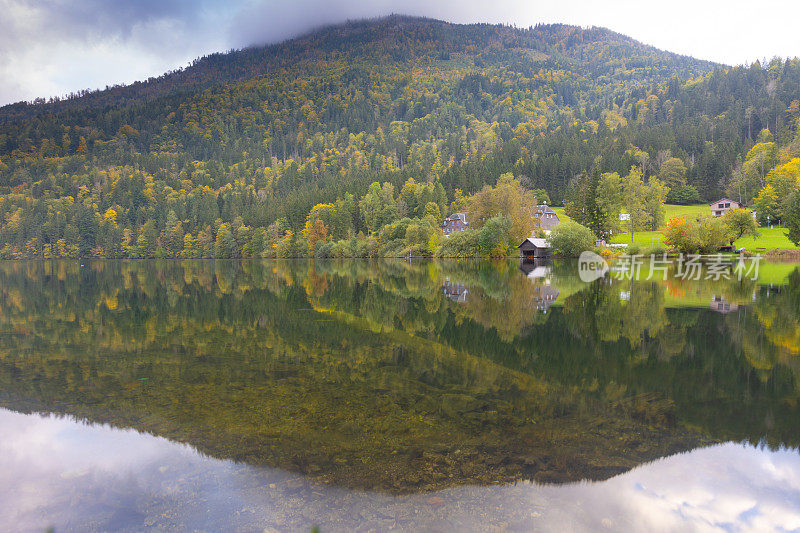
(270,150)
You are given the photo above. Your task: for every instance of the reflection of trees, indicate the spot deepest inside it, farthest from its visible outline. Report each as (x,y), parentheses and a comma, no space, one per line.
(365,374)
(510,315)
(711,365)
(635,316)
(769,335)
(232,358)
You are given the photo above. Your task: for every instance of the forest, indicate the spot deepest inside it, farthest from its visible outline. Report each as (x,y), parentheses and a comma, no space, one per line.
(357,139)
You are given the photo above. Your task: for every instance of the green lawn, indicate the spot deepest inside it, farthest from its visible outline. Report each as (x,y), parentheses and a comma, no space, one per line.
(769,239)
(560,212)
(687,211)
(644,239)
(651,239)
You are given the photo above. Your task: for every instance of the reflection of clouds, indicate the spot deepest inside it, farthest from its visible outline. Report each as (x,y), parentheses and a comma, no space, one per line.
(48,460)
(729,486)
(55,471)
(55,441)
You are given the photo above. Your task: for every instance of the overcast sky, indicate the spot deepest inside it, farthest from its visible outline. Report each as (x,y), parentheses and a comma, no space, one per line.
(52,47)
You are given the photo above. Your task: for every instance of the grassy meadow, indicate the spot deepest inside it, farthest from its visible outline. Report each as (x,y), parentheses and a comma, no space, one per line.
(768,238)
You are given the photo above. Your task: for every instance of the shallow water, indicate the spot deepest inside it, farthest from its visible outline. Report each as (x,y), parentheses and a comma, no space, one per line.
(375,395)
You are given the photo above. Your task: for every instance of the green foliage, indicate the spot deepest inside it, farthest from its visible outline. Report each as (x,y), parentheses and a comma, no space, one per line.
(792,217)
(495,237)
(569,239)
(541,196)
(586,202)
(704,235)
(767,206)
(507,199)
(463,244)
(609,195)
(686,195)
(633,249)
(673,173)
(738,223)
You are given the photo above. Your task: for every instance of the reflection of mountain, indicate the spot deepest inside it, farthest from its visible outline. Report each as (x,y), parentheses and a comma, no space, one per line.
(367,375)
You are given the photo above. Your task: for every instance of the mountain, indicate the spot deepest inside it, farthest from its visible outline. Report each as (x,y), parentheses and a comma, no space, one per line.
(242,139)
(387,39)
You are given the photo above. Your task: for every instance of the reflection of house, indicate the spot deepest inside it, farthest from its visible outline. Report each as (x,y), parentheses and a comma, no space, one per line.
(455,291)
(545,217)
(539,272)
(535,269)
(721,305)
(455,223)
(532,248)
(724,205)
(544,297)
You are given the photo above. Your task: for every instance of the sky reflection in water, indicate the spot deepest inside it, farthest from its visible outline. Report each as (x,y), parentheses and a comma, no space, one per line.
(73,475)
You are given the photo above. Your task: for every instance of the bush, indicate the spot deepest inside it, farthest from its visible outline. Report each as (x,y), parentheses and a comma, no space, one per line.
(493,237)
(415,250)
(570,239)
(341,249)
(705,236)
(655,250)
(461,244)
(364,246)
(322,249)
(395,230)
(492,240)
(392,248)
(685,195)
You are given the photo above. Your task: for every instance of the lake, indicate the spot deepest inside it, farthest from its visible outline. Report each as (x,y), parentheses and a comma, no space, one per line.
(408,395)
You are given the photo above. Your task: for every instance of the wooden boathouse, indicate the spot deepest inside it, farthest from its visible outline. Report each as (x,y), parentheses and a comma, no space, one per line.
(533,248)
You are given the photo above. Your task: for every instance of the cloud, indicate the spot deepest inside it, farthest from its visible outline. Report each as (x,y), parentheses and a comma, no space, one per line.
(52,47)
(270,21)
(90,19)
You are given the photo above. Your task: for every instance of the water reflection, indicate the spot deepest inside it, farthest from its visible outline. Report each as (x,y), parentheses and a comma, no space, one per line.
(401,377)
(82,477)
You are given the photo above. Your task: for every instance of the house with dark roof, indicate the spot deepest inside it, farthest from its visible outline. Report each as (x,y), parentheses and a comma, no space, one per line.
(546,218)
(454,223)
(722,206)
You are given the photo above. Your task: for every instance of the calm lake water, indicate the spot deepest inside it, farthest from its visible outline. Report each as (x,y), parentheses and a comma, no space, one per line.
(361,396)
